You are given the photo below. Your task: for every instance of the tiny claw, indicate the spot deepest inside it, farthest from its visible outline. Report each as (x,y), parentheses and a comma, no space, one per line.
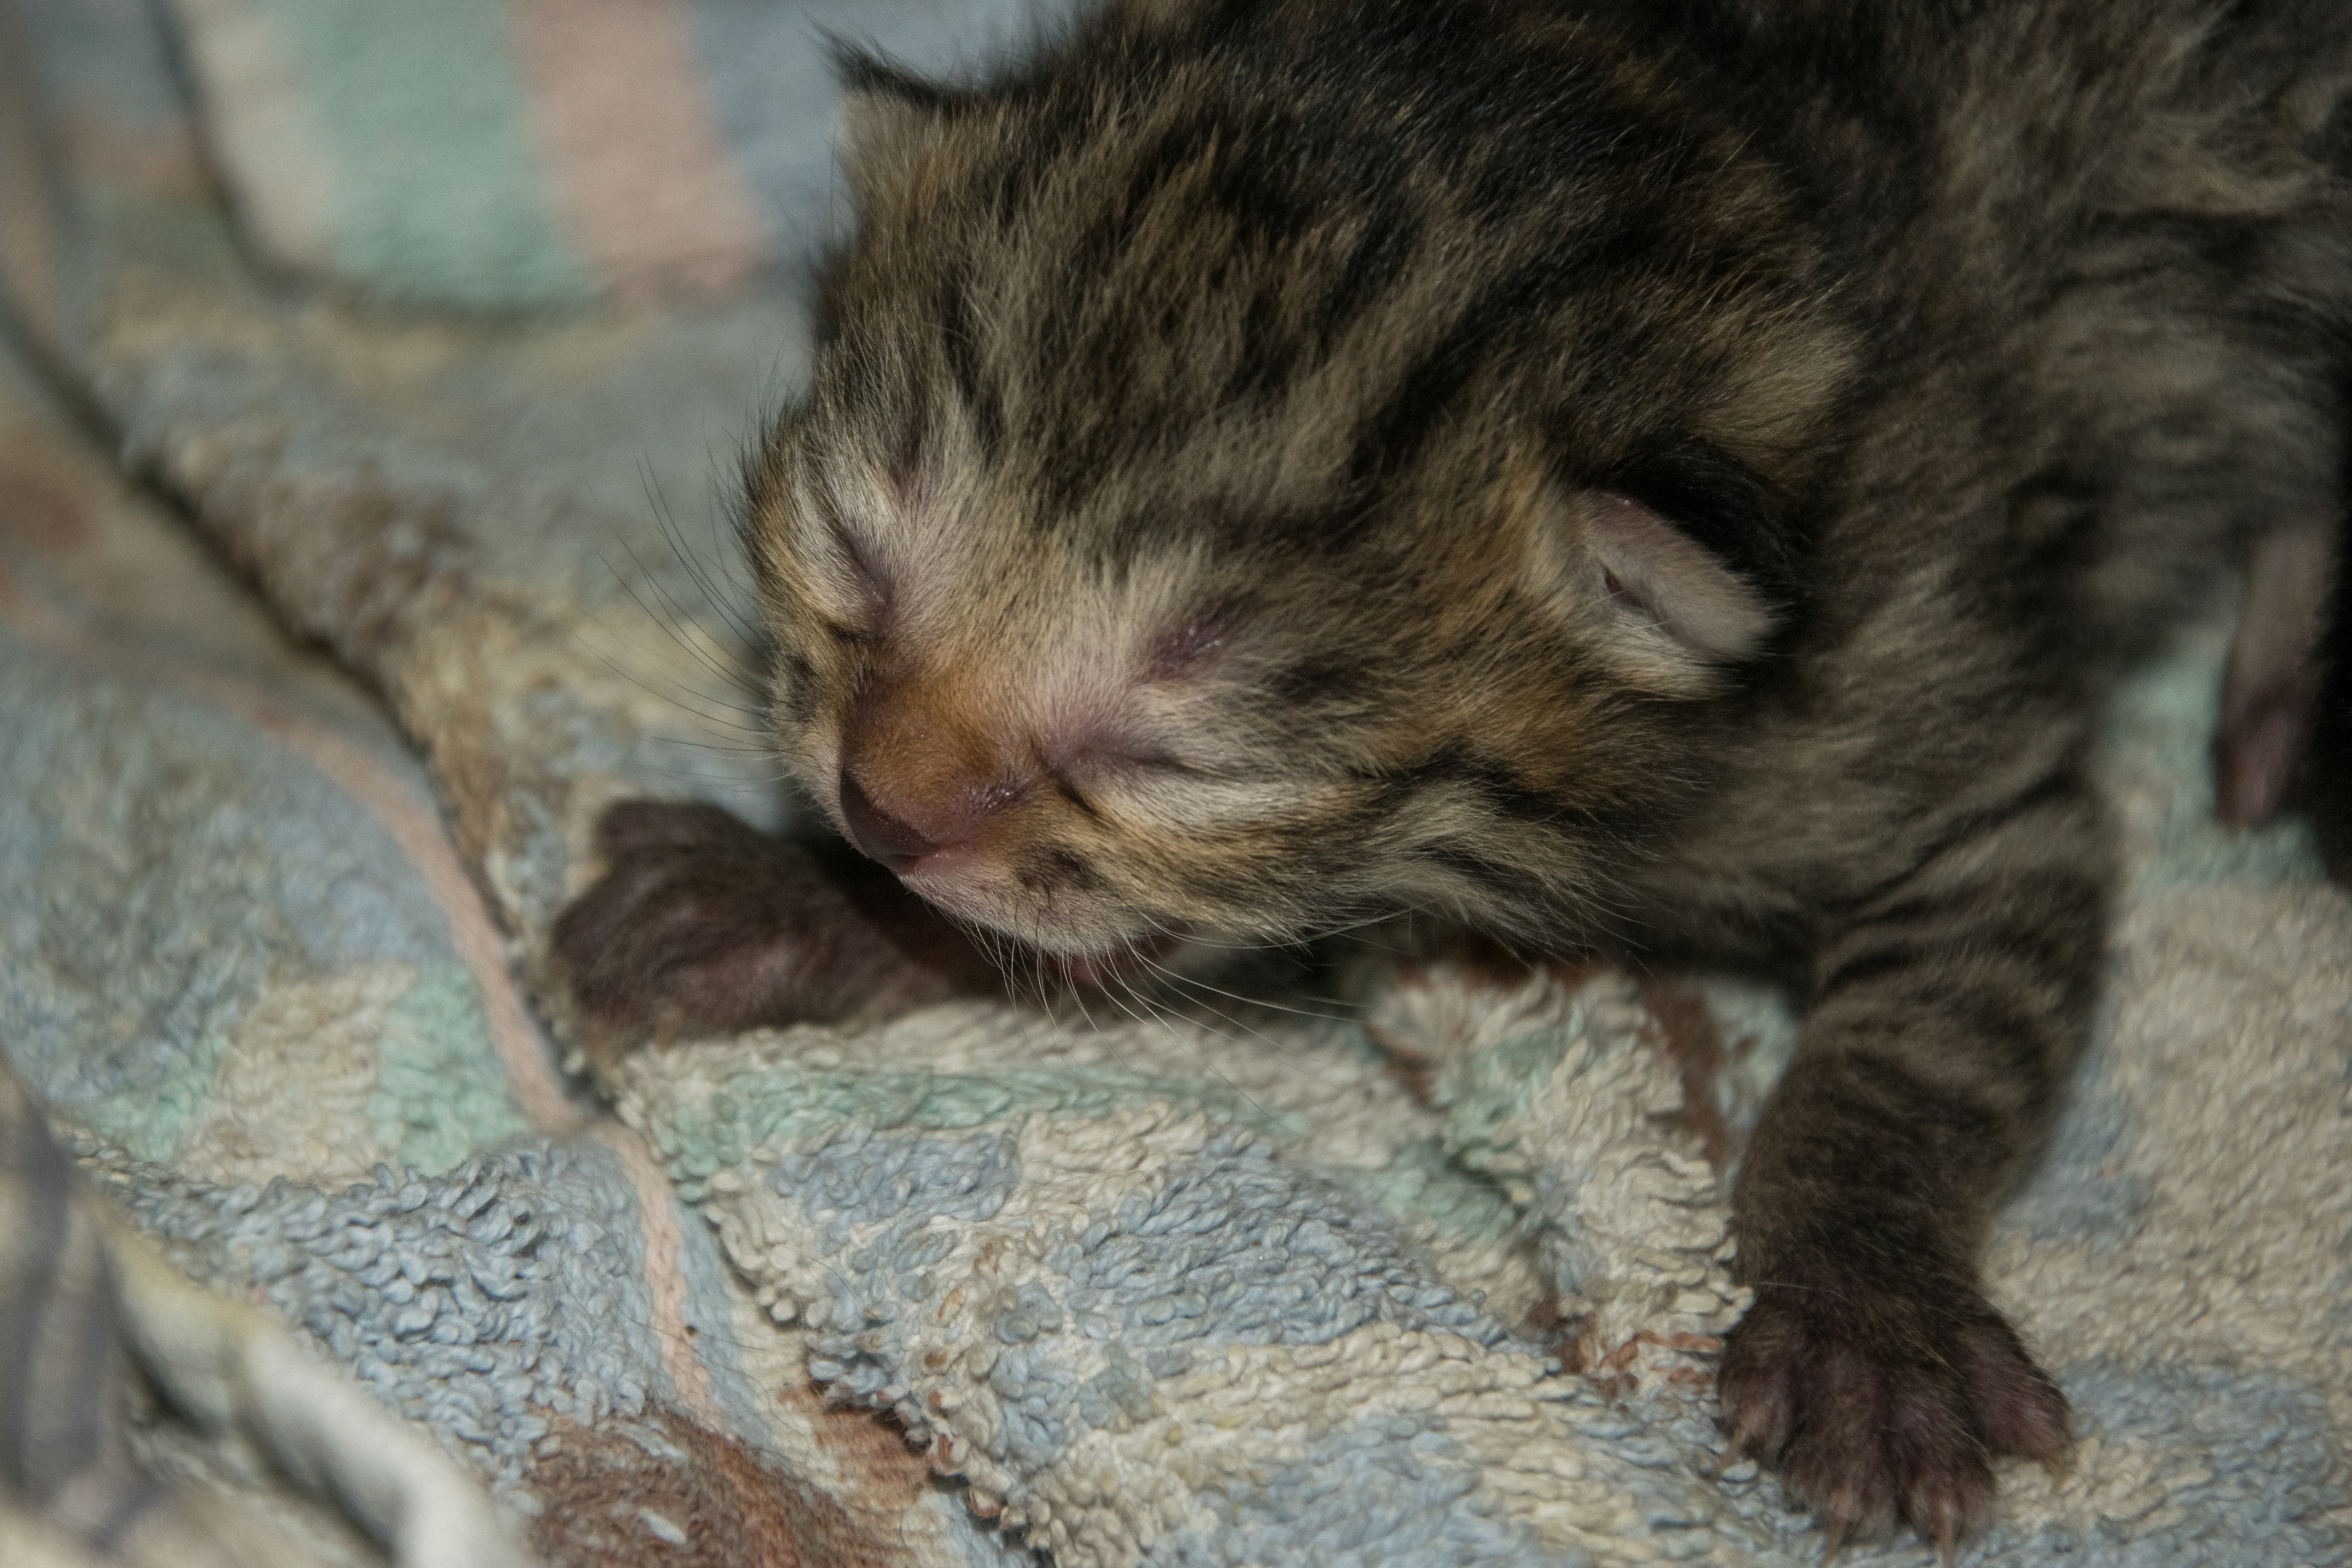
(1751,1439)
(1947,1539)
(1717,1466)
(1833,1538)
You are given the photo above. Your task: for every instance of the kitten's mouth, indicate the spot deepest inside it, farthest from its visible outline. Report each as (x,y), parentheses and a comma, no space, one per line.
(1084,961)
(938,933)
(1081,938)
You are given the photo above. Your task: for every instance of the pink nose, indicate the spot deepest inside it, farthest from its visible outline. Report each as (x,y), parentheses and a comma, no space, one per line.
(879,835)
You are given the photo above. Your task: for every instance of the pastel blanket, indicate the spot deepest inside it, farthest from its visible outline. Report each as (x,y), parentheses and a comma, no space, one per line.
(332,612)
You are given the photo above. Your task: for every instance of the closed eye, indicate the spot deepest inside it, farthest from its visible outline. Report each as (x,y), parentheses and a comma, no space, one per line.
(864,579)
(1140,766)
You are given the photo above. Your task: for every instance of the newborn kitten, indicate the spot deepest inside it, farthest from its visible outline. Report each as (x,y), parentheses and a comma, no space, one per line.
(1676,476)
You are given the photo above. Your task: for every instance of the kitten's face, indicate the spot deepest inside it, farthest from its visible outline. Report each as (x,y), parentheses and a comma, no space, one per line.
(1186,529)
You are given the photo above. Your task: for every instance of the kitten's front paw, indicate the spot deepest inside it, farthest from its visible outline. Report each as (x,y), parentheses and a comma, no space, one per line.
(1878,1404)
(703,925)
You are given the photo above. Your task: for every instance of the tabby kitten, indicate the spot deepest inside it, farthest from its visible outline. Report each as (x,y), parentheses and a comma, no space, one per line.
(1672,477)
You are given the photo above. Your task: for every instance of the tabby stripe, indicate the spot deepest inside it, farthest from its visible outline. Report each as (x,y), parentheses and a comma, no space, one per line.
(959,334)
(1497,789)
(2061,786)
(1396,432)
(1892,1109)
(1888,948)
(2057,892)
(1994,1011)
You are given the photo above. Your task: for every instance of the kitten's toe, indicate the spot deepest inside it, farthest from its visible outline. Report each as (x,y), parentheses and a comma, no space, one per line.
(702,925)
(1879,1408)
(2257,755)
(2271,689)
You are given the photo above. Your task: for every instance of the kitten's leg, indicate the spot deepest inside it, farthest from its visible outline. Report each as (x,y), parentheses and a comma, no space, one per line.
(1949,1010)
(702,925)
(2270,695)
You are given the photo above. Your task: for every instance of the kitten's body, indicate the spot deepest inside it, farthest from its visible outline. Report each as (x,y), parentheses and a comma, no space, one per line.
(1253,479)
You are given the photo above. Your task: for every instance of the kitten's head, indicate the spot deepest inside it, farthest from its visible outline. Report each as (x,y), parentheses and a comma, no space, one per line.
(1258,477)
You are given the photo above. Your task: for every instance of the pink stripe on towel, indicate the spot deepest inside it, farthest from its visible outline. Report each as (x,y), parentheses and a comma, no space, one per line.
(664,1241)
(622,116)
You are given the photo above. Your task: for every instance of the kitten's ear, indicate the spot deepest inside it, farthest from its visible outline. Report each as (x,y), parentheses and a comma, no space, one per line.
(1670,613)
(884,106)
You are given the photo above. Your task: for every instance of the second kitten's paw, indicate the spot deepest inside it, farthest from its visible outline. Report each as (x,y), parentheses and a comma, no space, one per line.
(1878,1405)
(2258,753)
(702,925)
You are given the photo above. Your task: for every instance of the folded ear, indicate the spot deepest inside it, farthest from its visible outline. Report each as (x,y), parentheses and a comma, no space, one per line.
(884,106)
(1666,610)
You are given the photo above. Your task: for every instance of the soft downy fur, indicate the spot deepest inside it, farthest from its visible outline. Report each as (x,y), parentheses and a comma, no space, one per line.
(1669,478)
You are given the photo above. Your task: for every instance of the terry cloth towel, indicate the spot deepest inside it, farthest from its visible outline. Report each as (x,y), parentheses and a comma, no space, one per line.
(83,1302)
(1434,1283)
(510,153)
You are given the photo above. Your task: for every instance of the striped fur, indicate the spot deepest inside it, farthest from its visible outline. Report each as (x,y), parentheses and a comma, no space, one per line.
(1207,496)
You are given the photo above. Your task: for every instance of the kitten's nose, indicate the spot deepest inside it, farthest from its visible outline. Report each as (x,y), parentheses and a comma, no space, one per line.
(879,835)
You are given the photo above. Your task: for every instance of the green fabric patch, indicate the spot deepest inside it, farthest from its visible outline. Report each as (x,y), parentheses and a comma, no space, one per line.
(149,1126)
(439,191)
(440,1096)
(788,1105)
(1422,1184)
